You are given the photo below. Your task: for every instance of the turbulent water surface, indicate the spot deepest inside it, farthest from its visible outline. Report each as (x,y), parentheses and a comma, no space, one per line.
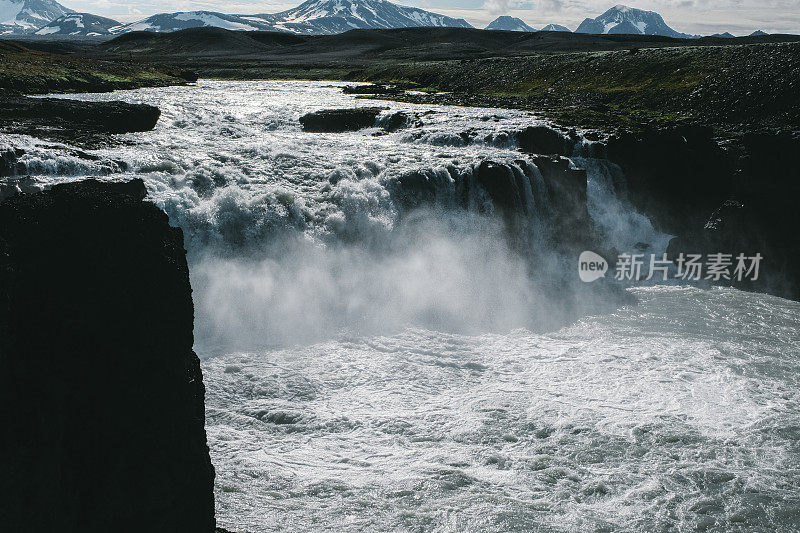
(371,369)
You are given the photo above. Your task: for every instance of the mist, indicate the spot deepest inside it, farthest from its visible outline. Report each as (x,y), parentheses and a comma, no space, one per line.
(451,272)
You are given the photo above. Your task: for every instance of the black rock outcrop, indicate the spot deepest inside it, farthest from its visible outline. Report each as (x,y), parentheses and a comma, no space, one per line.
(371,89)
(101,395)
(9,161)
(339,120)
(544,140)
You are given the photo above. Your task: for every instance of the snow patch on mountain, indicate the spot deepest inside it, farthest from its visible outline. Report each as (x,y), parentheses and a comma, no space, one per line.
(79,24)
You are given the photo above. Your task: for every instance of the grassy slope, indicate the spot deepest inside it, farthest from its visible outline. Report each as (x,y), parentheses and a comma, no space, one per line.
(24,71)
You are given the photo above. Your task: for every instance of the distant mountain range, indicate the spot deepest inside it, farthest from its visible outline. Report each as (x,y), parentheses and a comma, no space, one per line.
(313,17)
(336,16)
(506,23)
(167,22)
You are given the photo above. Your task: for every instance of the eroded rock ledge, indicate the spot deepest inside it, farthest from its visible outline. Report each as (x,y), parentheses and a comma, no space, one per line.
(73,121)
(101,395)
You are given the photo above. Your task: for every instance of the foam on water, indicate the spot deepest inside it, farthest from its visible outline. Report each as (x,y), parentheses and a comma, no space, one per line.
(655,418)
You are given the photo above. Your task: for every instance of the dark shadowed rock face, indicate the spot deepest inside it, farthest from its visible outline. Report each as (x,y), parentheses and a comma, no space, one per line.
(544,140)
(101,395)
(339,120)
(566,189)
(9,164)
(715,200)
(676,176)
(514,193)
(760,215)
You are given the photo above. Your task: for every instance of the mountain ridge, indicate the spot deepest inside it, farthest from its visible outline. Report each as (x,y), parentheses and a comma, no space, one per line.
(79,24)
(27,16)
(556,27)
(622,19)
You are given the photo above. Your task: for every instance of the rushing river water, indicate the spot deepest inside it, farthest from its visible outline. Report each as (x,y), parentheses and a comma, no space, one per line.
(368,371)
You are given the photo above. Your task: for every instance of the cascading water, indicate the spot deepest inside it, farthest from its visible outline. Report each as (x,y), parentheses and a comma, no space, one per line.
(394,336)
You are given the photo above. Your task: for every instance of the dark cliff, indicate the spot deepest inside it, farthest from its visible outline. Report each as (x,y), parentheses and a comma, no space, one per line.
(101,395)
(757,215)
(717,199)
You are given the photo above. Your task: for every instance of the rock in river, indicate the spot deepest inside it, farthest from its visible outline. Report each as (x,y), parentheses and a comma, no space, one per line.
(339,120)
(106,117)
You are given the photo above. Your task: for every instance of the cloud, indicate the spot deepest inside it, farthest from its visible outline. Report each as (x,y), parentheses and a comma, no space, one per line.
(497,7)
(503,7)
(551,6)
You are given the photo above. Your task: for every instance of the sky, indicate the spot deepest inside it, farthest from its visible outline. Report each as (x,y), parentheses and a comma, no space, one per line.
(740,17)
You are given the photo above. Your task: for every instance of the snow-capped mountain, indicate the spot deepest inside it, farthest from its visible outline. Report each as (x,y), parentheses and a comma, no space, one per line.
(624,19)
(556,27)
(167,22)
(758,33)
(84,24)
(507,23)
(26,16)
(334,16)
(311,17)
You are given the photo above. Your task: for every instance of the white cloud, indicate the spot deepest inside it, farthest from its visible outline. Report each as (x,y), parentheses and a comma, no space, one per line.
(496,7)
